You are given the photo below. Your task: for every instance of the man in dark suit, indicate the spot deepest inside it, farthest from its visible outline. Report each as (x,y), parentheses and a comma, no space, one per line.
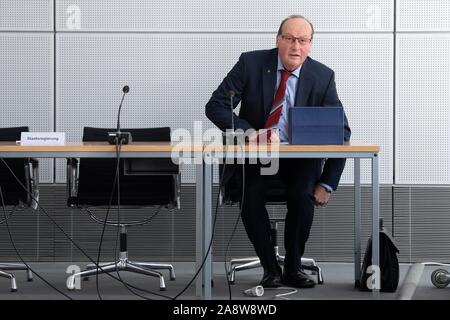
(285,73)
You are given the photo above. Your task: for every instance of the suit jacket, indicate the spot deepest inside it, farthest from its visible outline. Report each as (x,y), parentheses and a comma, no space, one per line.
(253,79)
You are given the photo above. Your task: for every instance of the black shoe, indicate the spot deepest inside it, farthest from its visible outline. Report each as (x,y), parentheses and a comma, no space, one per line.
(271,280)
(298,279)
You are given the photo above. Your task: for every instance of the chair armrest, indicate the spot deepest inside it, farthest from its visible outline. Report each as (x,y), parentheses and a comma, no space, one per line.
(177,186)
(221,198)
(72,181)
(224,199)
(32,172)
(225,202)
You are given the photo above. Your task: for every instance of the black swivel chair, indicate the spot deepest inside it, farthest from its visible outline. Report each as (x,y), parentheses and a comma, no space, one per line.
(143,183)
(14,195)
(230,194)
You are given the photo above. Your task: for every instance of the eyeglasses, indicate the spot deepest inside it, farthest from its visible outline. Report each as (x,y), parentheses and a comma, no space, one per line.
(292,39)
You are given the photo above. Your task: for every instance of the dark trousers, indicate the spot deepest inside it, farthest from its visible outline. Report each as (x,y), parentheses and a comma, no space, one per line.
(299,177)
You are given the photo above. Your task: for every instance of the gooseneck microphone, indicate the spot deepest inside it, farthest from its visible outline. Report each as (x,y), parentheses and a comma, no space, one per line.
(125,90)
(120,137)
(231,94)
(232,137)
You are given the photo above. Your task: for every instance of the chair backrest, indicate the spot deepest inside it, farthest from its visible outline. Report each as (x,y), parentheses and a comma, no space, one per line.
(13,193)
(145,182)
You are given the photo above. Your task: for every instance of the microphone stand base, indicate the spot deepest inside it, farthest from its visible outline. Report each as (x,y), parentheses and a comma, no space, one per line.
(122,137)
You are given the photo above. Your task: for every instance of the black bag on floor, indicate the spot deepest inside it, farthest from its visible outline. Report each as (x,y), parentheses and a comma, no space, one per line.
(389,266)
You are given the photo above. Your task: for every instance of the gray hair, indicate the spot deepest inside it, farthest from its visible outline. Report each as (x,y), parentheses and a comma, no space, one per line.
(295,16)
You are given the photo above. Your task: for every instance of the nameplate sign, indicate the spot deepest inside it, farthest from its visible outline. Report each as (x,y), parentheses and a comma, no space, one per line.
(43,138)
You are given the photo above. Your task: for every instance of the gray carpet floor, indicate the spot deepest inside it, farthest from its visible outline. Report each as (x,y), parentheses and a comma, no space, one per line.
(338,285)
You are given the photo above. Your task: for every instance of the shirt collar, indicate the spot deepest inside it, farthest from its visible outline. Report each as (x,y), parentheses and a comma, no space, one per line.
(296,72)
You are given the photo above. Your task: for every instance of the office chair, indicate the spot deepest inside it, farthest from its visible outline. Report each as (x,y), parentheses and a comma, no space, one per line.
(26,170)
(230,193)
(143,183)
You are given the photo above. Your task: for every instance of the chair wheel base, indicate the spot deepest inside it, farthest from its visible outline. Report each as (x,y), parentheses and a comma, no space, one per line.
(13,290)
(440,278)
(162,289)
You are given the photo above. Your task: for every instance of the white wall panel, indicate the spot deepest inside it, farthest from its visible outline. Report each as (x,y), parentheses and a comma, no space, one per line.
(26,79)
(26,15)
(422,109)
(221,15)
(363,64)
(423,15)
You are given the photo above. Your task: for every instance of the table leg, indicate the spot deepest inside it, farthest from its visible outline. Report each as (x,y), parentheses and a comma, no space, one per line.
(199,253)
(207,225)
(376,223)
(357,220)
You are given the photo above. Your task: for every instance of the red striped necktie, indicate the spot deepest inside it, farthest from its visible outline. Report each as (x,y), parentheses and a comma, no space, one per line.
(278,101)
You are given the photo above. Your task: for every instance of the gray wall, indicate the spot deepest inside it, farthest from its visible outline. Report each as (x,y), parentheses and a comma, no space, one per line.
(419,224)
(63,64)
